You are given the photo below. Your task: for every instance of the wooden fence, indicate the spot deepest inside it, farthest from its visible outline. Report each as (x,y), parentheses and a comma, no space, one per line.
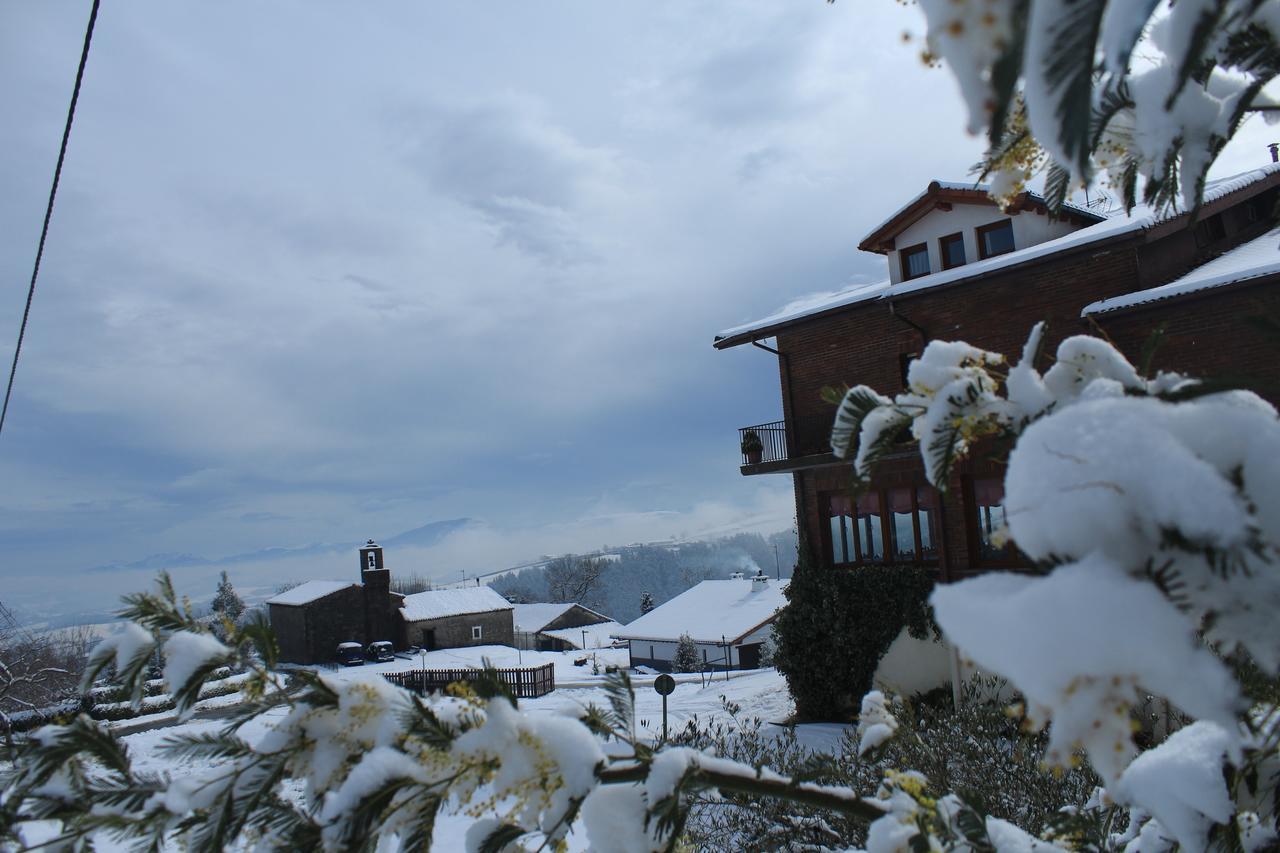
(527,683)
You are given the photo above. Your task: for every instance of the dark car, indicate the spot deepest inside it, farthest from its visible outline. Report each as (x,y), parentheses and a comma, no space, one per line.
(380,651)
(350,654)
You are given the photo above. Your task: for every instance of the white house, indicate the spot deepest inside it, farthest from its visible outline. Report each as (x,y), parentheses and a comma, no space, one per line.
(560,626)
(727,619)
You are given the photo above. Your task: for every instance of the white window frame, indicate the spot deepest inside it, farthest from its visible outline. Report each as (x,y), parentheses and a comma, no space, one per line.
(477,632)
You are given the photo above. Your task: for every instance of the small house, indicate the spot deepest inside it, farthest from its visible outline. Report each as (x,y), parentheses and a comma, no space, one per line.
(454,618)
(311,619)
(561,626)
(729,620)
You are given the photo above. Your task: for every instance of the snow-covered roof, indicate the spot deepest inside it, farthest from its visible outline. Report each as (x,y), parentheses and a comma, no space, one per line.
(709,611)
(599,635)
(532,618)
(308,592)
(1257,258)
(1142,218)
(438,603)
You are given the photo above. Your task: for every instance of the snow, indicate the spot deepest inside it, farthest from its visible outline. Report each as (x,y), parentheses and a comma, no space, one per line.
(710,612)
(308,592)
(532,618)
(876,724)
(1257,258)
(599,635)
(1142,218)
(1180,783)
(439,603)
(185,652)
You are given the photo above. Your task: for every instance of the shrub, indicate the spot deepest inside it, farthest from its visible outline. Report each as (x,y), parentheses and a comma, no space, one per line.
(839,624)
(686,656)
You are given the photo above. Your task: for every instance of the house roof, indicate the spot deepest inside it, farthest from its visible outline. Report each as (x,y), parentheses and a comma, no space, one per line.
(943,194)
(308,592)
(532,618)
(1255,259)
(710,611)
(439,603)
(1142,219)
(599,635)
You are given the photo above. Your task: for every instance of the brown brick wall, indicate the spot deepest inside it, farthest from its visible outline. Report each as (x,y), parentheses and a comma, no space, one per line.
(1206,335)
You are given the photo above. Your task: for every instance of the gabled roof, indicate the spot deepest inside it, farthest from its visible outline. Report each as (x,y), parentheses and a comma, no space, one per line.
(1255,259)
(439,603)
(1141,220)
(532,618)
(941,195)
(599,635)
(711,612)
(308,592)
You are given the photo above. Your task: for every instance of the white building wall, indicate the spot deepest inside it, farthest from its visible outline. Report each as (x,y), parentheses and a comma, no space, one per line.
(712,653)
(914,666)
(1029,228)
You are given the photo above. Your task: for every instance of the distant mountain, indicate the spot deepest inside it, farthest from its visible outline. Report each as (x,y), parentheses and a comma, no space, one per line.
(419,537)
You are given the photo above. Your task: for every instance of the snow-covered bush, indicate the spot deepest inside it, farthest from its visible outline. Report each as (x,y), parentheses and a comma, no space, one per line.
(1152,506)
(1135,89)
(686,657)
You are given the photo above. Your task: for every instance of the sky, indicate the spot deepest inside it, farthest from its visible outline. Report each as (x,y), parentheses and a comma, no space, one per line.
(323,271)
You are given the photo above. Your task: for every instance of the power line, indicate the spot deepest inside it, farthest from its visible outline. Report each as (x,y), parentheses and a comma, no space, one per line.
(48,211)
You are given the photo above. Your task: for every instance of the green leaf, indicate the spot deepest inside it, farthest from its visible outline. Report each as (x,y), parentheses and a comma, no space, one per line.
(1006,71)
(1069,70)
(497,840)
(858,402)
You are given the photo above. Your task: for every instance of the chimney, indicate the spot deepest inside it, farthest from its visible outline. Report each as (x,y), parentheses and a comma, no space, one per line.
(759,582)
(1275,152)
(736,576)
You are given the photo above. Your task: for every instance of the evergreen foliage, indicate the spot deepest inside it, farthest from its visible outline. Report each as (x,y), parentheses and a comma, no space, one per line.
(686,657)
(226,601)
(646,602)
(838,625)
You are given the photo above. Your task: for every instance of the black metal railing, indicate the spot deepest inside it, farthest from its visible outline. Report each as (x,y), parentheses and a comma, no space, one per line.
(779,440)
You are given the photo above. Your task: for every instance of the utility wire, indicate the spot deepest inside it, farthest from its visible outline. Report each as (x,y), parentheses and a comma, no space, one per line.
(48,211)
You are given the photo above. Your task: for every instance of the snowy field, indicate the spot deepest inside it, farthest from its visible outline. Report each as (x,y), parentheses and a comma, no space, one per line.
(760,693)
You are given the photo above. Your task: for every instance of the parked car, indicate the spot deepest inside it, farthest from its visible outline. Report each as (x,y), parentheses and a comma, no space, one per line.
(380,651)
(350,654)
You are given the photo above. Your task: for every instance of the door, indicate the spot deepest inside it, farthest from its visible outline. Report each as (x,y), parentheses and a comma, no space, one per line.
(749,656)
(429,639)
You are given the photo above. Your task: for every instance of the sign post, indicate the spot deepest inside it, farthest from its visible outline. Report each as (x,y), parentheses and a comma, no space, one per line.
(664,684)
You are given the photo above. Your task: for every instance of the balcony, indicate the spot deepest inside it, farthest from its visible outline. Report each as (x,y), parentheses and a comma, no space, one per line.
(804,442)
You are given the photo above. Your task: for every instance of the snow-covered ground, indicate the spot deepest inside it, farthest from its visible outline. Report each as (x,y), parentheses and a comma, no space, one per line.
(759,693)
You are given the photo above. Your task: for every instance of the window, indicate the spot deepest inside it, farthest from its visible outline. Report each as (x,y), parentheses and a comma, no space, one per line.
(951,248)
(995,239)
(894,525)
(915,261)
(476,632)
(989,515)
(1210,231)
(904,366)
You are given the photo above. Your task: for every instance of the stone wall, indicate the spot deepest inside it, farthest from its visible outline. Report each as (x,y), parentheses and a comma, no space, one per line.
(453,632)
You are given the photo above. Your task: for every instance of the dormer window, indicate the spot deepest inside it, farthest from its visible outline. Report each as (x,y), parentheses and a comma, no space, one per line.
(995,239)
(951,248)
(915,261)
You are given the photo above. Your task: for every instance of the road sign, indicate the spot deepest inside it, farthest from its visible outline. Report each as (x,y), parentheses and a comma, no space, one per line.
(664,684)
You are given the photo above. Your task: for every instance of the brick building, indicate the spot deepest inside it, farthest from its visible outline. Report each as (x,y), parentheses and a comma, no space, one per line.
(311,619)
(962,269)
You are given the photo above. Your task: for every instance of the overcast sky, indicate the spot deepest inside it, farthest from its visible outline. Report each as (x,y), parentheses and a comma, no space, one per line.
(324,271)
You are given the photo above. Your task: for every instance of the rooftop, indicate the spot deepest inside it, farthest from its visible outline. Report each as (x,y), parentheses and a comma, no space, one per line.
(439,603)
(710,612)
(1257,258)
(531,618)
(308,592)
(1142,218)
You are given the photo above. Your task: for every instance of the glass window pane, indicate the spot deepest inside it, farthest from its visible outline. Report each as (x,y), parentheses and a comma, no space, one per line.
(997,240)
(902,525)
(953,251)
(839,510)
(988,498)
(927,501)
(870,529)
(915,262)
(837,541)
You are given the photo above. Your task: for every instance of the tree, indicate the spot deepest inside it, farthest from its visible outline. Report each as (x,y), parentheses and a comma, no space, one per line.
(686,656)
(572,578)
(1130,90)
(646,603)
(37,669)
(226,601)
